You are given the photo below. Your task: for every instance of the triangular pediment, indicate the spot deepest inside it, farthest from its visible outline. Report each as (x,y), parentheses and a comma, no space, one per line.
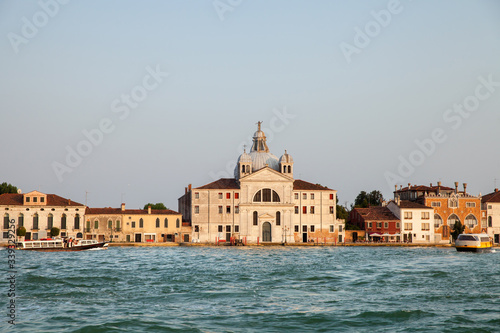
(266,216)
(34,193)
(266,174)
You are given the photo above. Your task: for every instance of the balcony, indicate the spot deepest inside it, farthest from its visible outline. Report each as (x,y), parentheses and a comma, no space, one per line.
(118,229)
(87,230)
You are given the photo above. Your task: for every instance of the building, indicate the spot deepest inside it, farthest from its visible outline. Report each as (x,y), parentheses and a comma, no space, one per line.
(39,212)
(135,225)
(491,209)
(262,203)
(450,205)
(378,222)
(415,220)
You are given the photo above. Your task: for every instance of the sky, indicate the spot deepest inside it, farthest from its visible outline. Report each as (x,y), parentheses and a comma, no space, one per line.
(106,102)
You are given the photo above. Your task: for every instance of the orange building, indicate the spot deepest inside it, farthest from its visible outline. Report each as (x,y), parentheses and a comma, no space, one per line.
(450,205)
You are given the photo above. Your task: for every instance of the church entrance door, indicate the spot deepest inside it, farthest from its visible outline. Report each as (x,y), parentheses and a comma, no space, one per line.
(266,232)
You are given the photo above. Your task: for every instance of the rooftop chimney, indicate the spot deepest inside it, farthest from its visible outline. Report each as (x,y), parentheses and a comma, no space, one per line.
(430,185)
(496,190)
(456,187)
(123,207)
(439,184)
(465,188)
(189,187)
(185,190)
(149,209)
(409,185)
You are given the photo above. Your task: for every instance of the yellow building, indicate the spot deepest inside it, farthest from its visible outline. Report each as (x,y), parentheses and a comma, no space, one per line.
(134,225)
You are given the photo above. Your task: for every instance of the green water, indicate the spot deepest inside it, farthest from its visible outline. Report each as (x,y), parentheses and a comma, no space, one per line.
(270,289)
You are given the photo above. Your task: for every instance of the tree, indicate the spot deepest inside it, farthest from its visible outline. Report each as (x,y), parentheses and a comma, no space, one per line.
(21,231)
(54,232)
(457,230)
(158,205)
(7,188)
(364,199)
(342,212)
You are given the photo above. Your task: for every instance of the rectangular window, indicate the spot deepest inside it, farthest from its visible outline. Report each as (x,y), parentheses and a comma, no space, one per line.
(470,204)
(6,235)
(296,228)
(332,228)
(236,228)
(304,196)
(220,195)
(304,228)
(312,196)
(386,225)
(236,209)
(369,224)
(228,195)
(197,209)
(425,215)
(408,215)
(408,226)
(35,236)
(304,210)
(425,226)
(220,209)
(27,199)
(196,195)
(397,225)
(96,224)
(296,196)
(311,209)
(331,210)
(228,209)
(220,228)
(228,228)
(340,230)
(490,206)
(296,209)
(110,224)
(42,199)
(331,196)
(133,224)
(435,204)
(236,195)
(379,225)
(312,228)
(35,199)
(35,222)
(196,228)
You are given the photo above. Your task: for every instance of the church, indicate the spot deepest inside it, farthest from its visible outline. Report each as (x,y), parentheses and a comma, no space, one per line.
(263,203)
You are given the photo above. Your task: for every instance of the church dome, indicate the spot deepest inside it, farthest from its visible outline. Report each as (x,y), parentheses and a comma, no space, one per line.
(259,155)
(286,158)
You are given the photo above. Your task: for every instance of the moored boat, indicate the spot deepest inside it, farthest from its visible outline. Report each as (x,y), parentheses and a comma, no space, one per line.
(473,243)
(53,245)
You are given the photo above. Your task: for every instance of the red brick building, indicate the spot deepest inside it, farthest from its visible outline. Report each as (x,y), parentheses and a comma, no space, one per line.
(378,222)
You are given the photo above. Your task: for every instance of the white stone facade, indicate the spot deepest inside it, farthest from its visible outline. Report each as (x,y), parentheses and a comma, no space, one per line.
(417,221)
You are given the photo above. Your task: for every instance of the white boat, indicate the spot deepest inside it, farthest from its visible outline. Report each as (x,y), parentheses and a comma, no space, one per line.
(473,243)
(52,245)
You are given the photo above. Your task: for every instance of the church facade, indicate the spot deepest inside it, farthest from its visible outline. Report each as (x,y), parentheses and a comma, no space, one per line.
(263,203)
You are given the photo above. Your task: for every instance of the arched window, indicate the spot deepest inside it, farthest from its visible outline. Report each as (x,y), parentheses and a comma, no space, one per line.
(438,221)
(255,218)
(452,219)
(77,221)
(266,195)
(35,221)
(87,226)
(141,223)
(157,222)
(490,222)
(289,169)
(6,221)
(96,224)
(50,221)
(110,224)
(118,225)
(63,221)
(470,221)
(177,223)
(278,218)
(165,223)
(79,235)
(20,220)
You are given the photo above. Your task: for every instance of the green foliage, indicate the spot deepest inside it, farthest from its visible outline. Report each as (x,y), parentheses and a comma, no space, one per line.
(7,188)
(21,231)
(349,226)
(342,213)
(54,232)
(364,199)
(158,205)
(457,230)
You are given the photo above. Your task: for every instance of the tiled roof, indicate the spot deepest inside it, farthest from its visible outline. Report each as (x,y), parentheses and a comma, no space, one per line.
(376,213)
(492,197)
(425,188)
(221,184)
(300,185)
(14,199)
(410,204)
(118,211)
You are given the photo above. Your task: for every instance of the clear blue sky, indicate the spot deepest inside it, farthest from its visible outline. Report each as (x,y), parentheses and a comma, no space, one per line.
(354,120)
